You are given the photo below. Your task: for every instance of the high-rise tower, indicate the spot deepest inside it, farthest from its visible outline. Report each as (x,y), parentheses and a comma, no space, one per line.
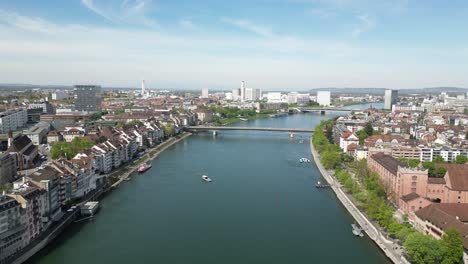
(143,88)
(242,91)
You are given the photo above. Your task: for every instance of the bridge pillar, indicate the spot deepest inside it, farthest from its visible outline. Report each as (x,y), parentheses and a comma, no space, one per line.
(322,112)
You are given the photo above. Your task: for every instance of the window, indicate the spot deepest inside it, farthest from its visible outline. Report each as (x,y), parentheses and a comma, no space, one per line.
(415,178)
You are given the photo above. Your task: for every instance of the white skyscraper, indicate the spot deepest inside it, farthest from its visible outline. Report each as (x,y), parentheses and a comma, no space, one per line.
(242,91)
(324,98)
(236,94)
(249,94)
(390,98)
(204,93)
(144,94)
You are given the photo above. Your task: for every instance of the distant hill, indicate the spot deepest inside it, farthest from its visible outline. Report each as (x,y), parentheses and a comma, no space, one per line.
(380,91)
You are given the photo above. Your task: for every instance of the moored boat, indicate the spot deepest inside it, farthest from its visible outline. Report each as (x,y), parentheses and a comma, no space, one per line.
(144,167)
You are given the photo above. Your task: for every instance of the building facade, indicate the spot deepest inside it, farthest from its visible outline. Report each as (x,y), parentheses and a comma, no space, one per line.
(390,98)
(88,97)
(324,98)
(12,120)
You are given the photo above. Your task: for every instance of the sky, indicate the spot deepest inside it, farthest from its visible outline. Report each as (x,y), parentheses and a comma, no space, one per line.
(270,44)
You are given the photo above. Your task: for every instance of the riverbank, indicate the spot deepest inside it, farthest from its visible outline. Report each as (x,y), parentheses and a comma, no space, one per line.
(373,232)
(59,227)
(150,156)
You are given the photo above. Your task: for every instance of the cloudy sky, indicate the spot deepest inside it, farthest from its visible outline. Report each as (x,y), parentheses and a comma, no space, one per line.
(271,44)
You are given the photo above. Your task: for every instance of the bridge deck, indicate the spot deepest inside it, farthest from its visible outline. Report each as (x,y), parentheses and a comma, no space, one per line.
(274,129)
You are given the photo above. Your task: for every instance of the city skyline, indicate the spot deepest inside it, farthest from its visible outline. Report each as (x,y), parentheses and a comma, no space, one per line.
(183,45)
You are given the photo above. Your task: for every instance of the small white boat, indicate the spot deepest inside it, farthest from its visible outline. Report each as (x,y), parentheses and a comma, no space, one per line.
(206,178)
(357,231)
(304,160)
(243,119)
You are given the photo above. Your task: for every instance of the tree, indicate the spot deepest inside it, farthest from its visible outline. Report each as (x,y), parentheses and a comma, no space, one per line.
(362,135)
(422,249)
(461,159)
(70,149)
(369,129)
(169,130)
(451,247)
(438,159)
(330,159)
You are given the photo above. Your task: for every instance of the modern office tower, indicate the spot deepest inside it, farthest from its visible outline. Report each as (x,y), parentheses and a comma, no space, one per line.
(204,93)
(390,98)
(249,94)
(324,98)
(257,94)
(242,91)
(236,94)
(88,97)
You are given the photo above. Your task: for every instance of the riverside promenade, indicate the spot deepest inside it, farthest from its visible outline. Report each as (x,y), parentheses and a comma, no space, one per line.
(387,246)
(151,155)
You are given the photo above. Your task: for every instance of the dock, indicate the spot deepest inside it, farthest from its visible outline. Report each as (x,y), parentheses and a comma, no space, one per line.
(322,185)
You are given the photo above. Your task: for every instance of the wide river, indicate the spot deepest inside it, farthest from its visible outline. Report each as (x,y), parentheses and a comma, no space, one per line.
(262,207)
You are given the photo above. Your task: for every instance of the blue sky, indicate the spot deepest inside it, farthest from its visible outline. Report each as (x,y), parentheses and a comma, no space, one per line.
(271,44)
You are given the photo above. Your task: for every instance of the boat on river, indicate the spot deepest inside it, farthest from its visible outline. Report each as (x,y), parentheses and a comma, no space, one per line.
(357,231)
(206,178)
(304,160)
(144,167)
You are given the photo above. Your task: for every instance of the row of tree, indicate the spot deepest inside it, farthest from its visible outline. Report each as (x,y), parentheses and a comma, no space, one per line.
(331,155)
(371,197)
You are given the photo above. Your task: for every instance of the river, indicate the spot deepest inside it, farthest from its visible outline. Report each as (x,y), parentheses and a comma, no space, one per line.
(262,207)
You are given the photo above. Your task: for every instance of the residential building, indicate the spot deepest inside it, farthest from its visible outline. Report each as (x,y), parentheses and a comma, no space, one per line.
(12,120)
(204,115)
(347,138)
(274,97)
(87,98)
(38,133)
(54,136)
(33,202)
(45,106)
(48,179)
(60,95)
(406,152)
(71,133)
(448,154)
(436,218)
(361,152)
(384,141)
(7,168)
(11,230)
(324,98)
(390,98)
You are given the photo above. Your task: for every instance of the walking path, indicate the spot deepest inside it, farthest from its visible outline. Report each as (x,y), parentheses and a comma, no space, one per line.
(387,246)
(153,153)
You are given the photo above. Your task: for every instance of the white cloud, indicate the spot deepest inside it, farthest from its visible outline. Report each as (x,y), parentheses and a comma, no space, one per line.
(186,23)
(365,25)
(127,12)
(249,26)
(91,6)
(43,52)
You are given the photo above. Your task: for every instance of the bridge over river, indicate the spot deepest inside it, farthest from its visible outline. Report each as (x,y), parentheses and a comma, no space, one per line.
(274,129)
